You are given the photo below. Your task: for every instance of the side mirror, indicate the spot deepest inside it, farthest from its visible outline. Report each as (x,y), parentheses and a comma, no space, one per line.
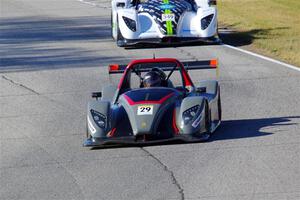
(120,5)
(201,89)
(96,95)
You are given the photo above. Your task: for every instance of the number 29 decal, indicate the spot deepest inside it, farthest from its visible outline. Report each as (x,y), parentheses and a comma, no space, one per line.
(145,110)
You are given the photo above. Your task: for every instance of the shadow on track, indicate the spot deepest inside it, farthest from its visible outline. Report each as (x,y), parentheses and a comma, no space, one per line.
(246,128)
(230,36)
(227,35)
(234,129)
(32,30)
(39,43)
(172,45)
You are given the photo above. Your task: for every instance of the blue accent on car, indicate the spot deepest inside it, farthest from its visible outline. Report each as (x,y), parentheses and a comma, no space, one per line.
(166,6)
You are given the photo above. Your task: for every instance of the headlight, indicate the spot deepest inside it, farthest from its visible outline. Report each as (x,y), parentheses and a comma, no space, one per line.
(99,118)
(190,113)
(206,21)
(130,23)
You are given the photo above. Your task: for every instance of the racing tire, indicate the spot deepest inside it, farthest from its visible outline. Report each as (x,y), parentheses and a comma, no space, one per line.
(207,118)
(111,25)
(219,104)
(88,135)
(120,38)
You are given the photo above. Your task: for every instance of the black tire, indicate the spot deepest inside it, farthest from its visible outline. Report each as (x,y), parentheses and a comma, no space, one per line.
(111,25)
(120,38)
(219,105)
(119,34)
(88,135)
(207,118)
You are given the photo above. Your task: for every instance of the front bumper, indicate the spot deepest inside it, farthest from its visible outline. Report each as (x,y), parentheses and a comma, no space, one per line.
(167,41)
(131,140)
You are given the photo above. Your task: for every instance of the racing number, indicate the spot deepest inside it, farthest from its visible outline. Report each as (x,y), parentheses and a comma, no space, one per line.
(168,17)
(145,110)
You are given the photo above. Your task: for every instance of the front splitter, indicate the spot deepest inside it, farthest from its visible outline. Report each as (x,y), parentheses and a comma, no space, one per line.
(100,142)
(167,41)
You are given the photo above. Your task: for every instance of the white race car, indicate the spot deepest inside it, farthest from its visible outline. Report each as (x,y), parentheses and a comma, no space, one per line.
(163,21)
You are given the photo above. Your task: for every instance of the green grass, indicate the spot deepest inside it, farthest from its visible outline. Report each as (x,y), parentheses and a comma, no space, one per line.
(269,27)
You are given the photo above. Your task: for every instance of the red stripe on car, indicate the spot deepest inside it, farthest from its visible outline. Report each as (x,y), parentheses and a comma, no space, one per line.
(175,128)
(162,100)
(112,132)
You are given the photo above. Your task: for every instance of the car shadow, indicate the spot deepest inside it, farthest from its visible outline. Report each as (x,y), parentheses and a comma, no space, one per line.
(229,35)
(172,45)
(247,128)
(233,129)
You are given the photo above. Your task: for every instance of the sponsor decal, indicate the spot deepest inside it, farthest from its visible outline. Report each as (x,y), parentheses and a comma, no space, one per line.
(167,17)
(166,6)
(197,121)
(168,22)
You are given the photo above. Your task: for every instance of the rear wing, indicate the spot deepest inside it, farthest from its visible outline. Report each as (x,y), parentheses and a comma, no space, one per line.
(202,64)
(189,65)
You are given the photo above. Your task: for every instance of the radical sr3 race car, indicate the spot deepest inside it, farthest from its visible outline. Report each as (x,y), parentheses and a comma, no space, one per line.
(163,21)
(147,106)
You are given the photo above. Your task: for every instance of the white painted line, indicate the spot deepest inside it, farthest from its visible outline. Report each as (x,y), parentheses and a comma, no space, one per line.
(93,4)
(87,2)
(263,57)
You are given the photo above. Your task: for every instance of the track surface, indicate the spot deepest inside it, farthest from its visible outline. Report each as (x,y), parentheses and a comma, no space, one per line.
(54,53)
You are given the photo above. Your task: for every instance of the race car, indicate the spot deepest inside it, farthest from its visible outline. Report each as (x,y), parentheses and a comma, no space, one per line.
(149,106)
(163,21)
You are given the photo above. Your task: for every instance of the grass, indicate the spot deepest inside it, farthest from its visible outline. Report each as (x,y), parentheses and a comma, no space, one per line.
(269,27)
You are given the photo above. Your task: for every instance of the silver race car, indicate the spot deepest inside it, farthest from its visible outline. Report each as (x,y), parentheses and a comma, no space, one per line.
(163,21)
(147,106)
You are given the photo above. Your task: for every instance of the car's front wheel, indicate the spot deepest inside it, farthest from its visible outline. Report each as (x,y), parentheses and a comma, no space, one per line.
(111,25)
(207,118)
(88,135)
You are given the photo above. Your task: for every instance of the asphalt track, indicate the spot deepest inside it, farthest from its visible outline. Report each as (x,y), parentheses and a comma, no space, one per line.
(54,53)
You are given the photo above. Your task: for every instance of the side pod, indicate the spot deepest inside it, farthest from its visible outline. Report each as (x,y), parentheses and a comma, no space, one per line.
(98,115)
(191,115)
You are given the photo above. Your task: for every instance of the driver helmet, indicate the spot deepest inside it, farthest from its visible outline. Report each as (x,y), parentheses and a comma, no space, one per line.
(160,72)
(152,79)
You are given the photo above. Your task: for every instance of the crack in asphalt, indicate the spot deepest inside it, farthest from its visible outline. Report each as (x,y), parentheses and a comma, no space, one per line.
(20,85)
(52,162)
(183,51)
(166,168)
(67,106)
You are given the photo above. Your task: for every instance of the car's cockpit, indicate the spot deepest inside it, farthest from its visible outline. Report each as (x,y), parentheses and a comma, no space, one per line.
(151,75)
